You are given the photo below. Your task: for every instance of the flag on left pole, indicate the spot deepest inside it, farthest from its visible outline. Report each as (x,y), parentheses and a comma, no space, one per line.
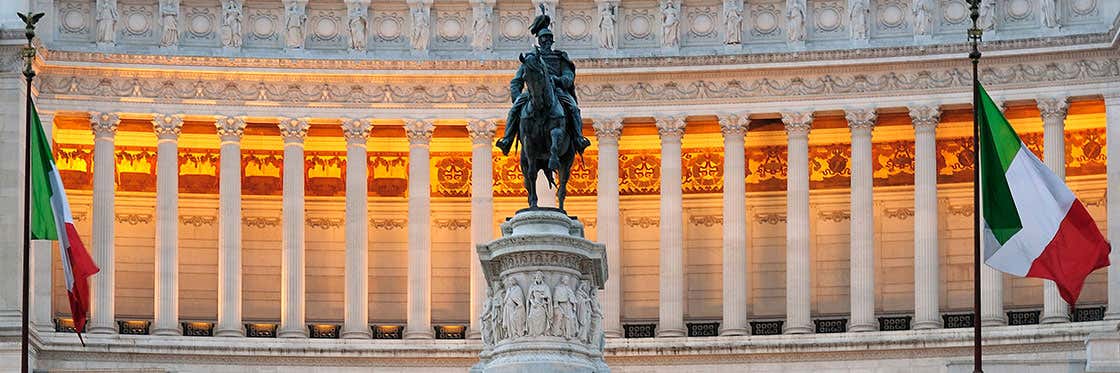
(51,220)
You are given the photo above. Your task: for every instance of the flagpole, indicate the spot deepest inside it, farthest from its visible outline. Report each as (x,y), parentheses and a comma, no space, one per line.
(974,35)
(29,20)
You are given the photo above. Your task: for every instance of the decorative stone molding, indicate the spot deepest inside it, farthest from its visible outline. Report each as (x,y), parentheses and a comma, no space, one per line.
(901,213)
(356,131)
(835,216)
(797,123)
(167,127)
(671,126)
(419,131)
(705,220)
(959,210)
(734,124)
(481,131)
(260,222)
(643,221)
(104,125)
(1053,108)
(861,119)
(197,220)
(230,128)
(134,219)
(293,129)
(325,223)
(452,224)
(608,129)
(925,116)
(388,224)
(772,218)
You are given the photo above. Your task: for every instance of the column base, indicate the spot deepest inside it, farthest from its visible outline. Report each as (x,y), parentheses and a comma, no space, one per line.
(862,327)
(474,334)
(229,332)
(1112,315)
(798,329)
(167,331)
(927,324)
(101,329)
(356,334)
(414,334)
(615,333)
(733,332)
(1054,319)
(671,333)
(993,321)
(291,334)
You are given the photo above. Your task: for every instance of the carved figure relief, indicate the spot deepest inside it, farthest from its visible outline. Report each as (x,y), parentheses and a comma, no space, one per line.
(540,306)
(859,15)
(923,17)
(231,24)
(795,21)
(421,24)
(733,21)
(608,11)
(596,337)
(1050,13)
(987,15)
(513,310)
(169,17)
(497,329)
(670,24)
(564,322)
(357,12)
(583,310)
(486,317)
(107,17)
(295,16)
(481,38)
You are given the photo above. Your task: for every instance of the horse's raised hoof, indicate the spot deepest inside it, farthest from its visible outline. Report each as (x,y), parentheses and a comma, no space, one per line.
(553,163)
(504,145)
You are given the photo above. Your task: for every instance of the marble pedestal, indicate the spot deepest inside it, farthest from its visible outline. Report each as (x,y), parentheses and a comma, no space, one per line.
(542,312)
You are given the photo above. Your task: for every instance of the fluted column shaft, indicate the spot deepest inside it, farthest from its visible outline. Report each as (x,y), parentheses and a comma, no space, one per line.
(102,315)
(167,129)
(862,229)
(1112,169)
(607,133)
(356,318)
(482,211)
(797,223)
(926,261)
(229,130)
(419,316)
(734,127)
(292,304)
(671,311)
(41,257)
(1053,110)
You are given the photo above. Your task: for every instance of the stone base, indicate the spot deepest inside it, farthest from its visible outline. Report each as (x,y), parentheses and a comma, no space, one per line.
(1102,352)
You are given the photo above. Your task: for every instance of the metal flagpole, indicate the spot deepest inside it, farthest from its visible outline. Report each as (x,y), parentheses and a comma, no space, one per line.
(29,20)
(974,35)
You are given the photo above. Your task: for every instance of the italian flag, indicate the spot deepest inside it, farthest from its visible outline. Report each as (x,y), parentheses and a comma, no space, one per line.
(1033,224)
(51,220)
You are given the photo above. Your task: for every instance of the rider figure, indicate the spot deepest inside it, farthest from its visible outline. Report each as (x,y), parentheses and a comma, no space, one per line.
(563,73)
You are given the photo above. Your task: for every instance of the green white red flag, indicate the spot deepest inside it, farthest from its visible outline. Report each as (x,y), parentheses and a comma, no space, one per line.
(51,220)
(1033,224)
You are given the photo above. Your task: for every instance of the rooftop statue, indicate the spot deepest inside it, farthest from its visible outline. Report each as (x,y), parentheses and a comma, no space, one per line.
(545,117)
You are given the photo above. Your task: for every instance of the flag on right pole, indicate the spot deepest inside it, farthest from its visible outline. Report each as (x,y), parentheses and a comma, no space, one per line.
(1033,224)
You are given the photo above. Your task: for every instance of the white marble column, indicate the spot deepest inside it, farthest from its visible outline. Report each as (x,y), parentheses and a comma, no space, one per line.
(734,128)
(167,128)
(797,222)
(671,311)
(1053,110)
(419,132)
(862,229)
(292,304)
(1112,169)
(103,218)
(230,130)
(41,257)
(481,132)
(356,318)
(607,133)
(926,260)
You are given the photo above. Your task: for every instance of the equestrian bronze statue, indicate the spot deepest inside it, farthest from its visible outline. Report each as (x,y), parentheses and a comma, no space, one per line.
(545,117)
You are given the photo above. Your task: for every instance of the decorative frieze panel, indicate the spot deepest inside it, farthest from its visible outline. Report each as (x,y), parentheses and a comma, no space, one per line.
(578,26)
(326,26)
(138,22)
(829,19)
(200,24)
(702,23)
(388,28)
(766,20)
(1018,13)
(263,24)
(891,18)
(640,24)
(75,20)
(452,27)
(513,26)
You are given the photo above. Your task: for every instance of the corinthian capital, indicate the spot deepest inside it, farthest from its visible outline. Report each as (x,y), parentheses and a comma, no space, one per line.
(481,131)
(734,124)
(104,125)
(797,122)
(356,130)
(608,129)
(167,127)
(230,128)
(419,131)
(293,129)
(1053,108)
(861,119)
(670,126)
(925,116)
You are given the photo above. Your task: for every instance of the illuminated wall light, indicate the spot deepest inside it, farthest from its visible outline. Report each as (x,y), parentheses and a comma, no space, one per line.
(323,330)
(198,329)
(260,330)
(133,327)
(451,331)
(64,324)
(387,331)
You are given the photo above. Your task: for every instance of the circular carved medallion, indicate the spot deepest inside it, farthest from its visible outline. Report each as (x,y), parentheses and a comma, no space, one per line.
(200,24)
(262,27)
(326,28)
(1019,9)
(765,22)
(891,16)
(955,12)
(513,29)
(451,29)
(576,28)
(389,29)
(639,27)
(1083,7)
(73,21)
(828,19)
(703,24)
(136,23)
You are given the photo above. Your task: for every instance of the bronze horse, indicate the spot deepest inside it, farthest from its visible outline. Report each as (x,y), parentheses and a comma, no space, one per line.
(545,142)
